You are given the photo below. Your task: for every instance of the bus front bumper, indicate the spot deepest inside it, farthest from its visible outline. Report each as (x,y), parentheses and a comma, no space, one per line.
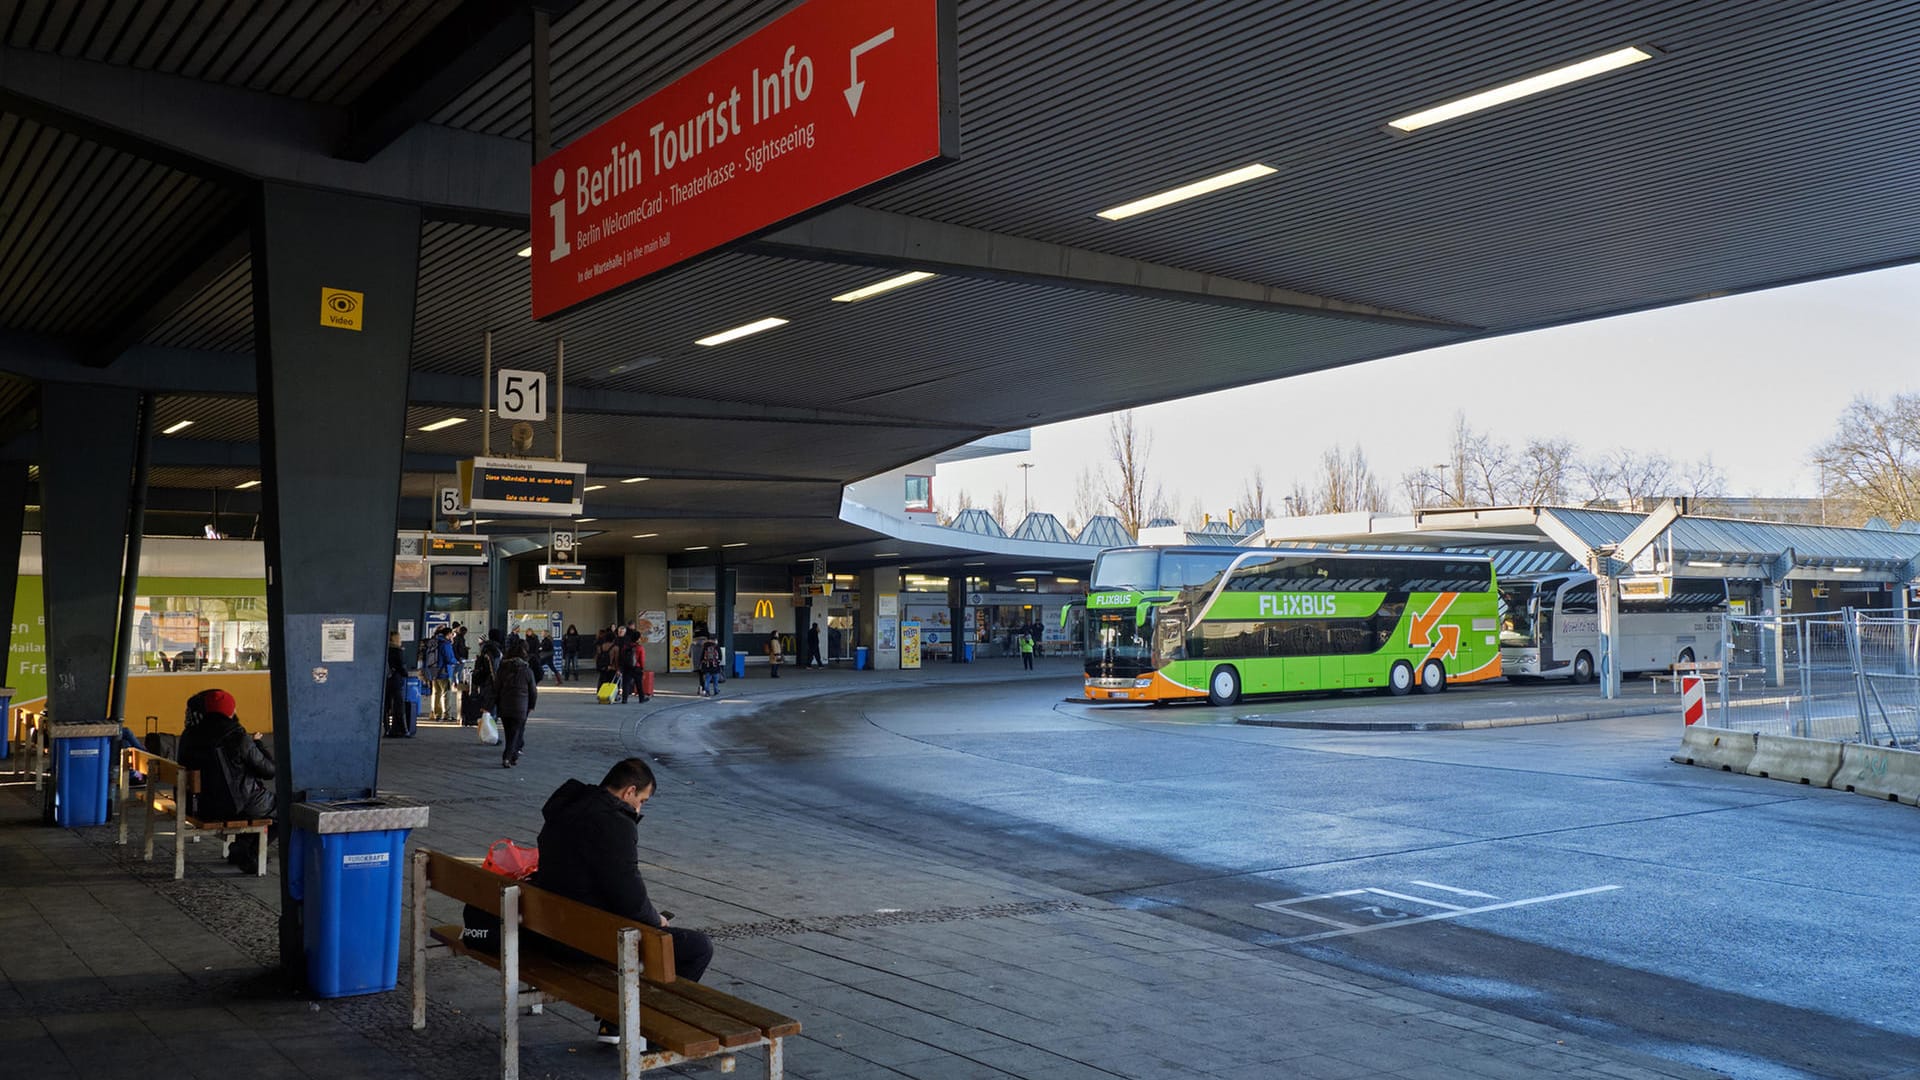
(1150,687)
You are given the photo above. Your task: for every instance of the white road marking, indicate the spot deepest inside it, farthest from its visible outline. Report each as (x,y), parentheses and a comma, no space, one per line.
(1451,889)
(1276,905)
(1310,915)
(1445,915)
(1416,899)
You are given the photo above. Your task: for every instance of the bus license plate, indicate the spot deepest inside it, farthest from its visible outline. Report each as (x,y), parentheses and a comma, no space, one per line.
(1120,693)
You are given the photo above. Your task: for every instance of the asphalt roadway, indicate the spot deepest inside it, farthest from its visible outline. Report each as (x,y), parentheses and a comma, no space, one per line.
(1564,872)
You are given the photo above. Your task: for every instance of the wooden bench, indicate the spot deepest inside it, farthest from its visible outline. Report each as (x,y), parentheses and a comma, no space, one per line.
(169,782)
(1710,671)
(629,978)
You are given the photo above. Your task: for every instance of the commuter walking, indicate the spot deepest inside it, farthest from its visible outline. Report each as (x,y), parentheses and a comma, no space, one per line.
(484,669)
(460,653)
(710,661)
(515,692)
(547,661)
(625,682)
(532,641)
(636,653)
(1026,650)
(775,654)
(397,689)
(570,654)
(446,704)
(603,660)
(813,646)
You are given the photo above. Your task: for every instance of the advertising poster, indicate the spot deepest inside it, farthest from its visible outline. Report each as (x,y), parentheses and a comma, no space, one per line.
(652,626)
(410,575)
(680,645)
(888,631)
(910,645)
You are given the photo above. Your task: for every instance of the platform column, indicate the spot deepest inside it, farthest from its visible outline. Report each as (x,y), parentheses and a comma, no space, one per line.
(13,521)
(87,437)
(334,278)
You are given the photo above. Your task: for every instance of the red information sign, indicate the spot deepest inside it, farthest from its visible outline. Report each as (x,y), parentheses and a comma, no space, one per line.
(828,99)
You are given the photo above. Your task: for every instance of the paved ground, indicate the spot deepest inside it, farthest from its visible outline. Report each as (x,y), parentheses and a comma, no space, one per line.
(943,874)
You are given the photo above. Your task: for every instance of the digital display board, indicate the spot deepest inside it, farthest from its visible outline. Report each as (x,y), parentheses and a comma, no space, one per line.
(526,488)
(456,548)
(562,573)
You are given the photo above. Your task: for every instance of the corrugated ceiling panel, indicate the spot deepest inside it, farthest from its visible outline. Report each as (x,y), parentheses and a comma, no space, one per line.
(322,50)
(220,318)
(86,227)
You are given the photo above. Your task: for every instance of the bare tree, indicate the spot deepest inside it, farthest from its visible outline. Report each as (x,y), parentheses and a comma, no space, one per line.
(1427,487)
(1254,504)
(1196,518)
(1541,474)
(1087,500)
(1346,484)
(1872,461)
(998,510)
(1124,484)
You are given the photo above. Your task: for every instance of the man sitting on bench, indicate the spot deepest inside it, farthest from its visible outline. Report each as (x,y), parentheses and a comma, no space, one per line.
(236,770)
(588,853)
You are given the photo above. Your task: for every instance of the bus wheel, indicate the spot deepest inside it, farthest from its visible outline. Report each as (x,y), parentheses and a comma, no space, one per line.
(1583,668)
(1685,657)
(1224,687)
(1400,679)
(1433,677)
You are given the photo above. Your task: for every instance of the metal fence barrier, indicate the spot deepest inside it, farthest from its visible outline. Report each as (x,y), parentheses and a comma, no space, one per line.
(1850,676)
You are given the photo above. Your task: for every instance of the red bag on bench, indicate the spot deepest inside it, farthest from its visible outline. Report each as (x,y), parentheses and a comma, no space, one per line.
(509,859)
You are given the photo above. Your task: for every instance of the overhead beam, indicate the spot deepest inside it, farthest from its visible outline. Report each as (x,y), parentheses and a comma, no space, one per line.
(470,43)
(1649,530)
(207,372)
(858,235)
(232,136)
(174,287)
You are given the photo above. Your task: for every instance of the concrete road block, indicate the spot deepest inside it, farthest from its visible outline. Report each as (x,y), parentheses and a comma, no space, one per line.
(1716,748)
(1879,772)
(1801,761)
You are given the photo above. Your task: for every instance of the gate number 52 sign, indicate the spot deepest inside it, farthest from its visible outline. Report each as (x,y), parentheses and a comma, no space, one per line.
(523,395)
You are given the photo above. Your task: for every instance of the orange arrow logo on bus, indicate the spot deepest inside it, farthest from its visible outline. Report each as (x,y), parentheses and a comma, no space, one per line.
(1420,635)
(1449,645)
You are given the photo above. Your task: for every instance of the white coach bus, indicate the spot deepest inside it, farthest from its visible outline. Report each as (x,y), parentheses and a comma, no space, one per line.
(1550,626)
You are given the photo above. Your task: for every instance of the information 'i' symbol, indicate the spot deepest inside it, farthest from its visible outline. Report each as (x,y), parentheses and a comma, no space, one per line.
(557,210)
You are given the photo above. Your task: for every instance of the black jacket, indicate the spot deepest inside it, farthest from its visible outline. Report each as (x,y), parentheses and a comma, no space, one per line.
(514,691)
(235,777)
(587,852)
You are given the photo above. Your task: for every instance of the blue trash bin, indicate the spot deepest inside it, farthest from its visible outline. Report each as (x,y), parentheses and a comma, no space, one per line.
(967,652)
(739,664)
(859,658)
(348,870)
(83,773)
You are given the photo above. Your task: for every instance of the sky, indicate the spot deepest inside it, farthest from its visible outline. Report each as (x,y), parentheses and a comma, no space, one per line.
(1756,380)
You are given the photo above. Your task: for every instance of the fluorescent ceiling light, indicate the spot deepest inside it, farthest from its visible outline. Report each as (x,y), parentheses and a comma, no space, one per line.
(698,547)
(245,486)
(583,521)
(976,564)
(644,536)
(178,425)
(1527,87)
(1068,580)
(740,544)
(596,487)
(1849,569)
(636,479)
(1705,563)
(525,252)
(738,332)
(1187,191)
(888,285)
(441,425)
(886,554)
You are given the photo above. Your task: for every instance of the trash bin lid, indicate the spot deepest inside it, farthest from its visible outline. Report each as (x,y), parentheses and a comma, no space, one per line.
(83,731)
(377,814)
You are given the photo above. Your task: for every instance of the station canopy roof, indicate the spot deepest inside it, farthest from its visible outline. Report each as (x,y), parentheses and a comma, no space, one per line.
(1765,142)
(1700,546)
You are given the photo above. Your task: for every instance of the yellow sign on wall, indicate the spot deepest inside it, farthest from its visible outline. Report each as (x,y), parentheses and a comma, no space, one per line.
(763,609)
(341,308)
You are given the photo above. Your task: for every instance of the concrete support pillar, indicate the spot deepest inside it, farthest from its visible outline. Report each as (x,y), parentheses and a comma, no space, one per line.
(334,279)
(1609,598)
(87,439)
(13,520)
(645,580)
(957,615)
(726,586)
(1773,646)
(880,616)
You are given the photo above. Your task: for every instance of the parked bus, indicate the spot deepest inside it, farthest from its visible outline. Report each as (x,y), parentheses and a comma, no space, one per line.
(1173,624)
(1550,626)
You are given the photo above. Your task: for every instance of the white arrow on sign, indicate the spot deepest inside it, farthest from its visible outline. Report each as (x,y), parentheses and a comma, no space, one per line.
(854,86)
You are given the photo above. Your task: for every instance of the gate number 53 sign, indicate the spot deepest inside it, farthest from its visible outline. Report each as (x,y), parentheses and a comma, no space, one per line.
(523,395)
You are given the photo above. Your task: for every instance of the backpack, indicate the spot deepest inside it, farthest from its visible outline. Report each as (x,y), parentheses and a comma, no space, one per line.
(710,654)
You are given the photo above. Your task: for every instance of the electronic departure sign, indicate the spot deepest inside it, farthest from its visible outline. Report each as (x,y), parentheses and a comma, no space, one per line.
(526,488)
(562,573)
(826,101)
(456,549)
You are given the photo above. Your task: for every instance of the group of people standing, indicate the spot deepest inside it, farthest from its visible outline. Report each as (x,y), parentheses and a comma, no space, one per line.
(620,660)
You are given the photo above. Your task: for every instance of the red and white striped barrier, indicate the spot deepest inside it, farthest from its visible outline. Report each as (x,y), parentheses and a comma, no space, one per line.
(1693,698)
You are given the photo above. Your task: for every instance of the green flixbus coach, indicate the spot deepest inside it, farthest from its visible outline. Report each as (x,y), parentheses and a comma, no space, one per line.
(1187,623)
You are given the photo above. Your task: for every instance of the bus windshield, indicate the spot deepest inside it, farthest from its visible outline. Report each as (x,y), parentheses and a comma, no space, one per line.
(1518,615)
(1126,570)
(1119,642)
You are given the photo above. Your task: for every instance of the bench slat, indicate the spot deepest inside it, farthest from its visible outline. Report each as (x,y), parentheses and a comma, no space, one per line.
(545,973)
(669,1000)
(465,881)
(774,1024)
(593,931)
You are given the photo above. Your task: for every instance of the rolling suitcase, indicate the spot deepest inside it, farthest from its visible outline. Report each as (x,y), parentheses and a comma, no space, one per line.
(607,690)
(646,686)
